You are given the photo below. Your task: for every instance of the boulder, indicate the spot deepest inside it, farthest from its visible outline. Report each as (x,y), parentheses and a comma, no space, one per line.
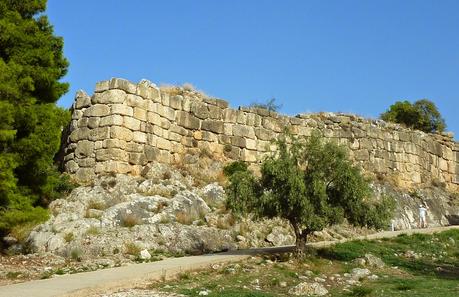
(308,289)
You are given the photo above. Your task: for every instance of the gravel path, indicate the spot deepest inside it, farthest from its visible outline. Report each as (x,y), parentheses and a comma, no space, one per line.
(102,282)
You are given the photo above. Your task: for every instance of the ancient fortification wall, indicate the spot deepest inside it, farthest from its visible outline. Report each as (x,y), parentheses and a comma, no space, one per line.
(124,126)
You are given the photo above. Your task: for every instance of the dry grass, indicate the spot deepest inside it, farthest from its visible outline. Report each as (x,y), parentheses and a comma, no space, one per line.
(226,222)
(131,249)
(21,232)
(97,204)
(130,220)
(93,230)
(184,218)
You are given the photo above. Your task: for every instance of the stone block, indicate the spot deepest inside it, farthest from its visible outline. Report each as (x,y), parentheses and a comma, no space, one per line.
(134,147)
(176,101)
(85,148)
(102,86)
(86,162)
(121,133)
(243,131)
(174,137)
(97,110)
(121,109)
(165,99)
(93,122)
(213,126)
(180,130)
(77,114)
(131,123)
(117,167)
(264,134)
(200,110)
(83,122)
(151,153)
(71,166)
(139,137)
(241,117)
(82,100)
(272,124)
(186,104)
(361,155)
(137,159)
(238,141)
(166,112)
(215,112)
(80,134)
(187,120)
(163,144)
(85,175)
(136,101)
(248,155)
(111,154)
(209,136)
(111,120)
(233,153)
(228,129)
(99,133)
(230,115)
(123,84)
(140,114)
(251,144)
(108,97)
(164,123)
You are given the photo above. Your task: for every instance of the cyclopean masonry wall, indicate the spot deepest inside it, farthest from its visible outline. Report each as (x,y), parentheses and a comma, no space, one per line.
(124,126)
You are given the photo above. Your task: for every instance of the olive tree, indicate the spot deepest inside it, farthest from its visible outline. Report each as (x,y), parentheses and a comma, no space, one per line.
(310,183)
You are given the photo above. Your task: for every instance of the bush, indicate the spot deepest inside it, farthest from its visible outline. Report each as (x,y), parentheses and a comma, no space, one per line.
(422,115)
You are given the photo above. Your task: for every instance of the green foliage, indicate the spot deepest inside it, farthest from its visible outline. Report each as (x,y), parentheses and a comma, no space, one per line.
(31,64)
(422,115)
(310,183)
(269,105)
(234,167)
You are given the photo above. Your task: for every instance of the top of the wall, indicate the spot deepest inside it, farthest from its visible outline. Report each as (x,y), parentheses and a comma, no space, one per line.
(148,90)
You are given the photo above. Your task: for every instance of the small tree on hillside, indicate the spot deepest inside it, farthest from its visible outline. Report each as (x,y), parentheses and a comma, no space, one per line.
(270,105)
(422,115)
(311,184)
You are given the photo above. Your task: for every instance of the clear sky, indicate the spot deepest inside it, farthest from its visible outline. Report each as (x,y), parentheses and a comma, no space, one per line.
(348,56)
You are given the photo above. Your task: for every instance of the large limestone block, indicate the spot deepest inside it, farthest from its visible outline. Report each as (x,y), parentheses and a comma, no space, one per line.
(215,112)
(140,113)
(148,90)
(136,101)
(111,120)
(272,124)
(230,115)
(241,117)
(243,131)
(200,110)
(213,126)
(264,134)
(134,147)
(123,84)
(109,96)
(77,114)
(102,86)
(166,112)
(112,154)
(131,123)
(86,162)
(179,130)
(209,136)
(249,155)
(187,120)
(85,175)
(85,148)
(99,133)
(137,159)
(238,141)
(97,110)
(174,136)
(93,122)
(80,134)
(176,101)
(151,153)
(117,167)
(114,143)
(163,144)
(121,109)
(81,100)
(121,133)
(71,166)
(361,155)
(221,103)
(140,137)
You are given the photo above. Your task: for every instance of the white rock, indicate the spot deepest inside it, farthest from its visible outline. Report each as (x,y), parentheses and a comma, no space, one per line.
(145,255)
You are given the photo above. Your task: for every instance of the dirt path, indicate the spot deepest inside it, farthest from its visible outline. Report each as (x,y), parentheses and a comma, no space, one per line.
(84,284)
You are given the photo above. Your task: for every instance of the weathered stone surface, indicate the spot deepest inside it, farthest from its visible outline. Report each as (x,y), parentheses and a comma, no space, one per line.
(121,109)
(187,120)
(82,100)
(131,123)
(111,120)
(123,84)
(213,126)
(109,96)
(97,110)
(102,86)
(121,133)
(84,148)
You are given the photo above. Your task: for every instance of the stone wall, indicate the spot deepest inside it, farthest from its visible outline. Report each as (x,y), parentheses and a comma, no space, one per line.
(123,126)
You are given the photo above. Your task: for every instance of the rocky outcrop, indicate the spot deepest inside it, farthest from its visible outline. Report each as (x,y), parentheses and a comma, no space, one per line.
(123,127)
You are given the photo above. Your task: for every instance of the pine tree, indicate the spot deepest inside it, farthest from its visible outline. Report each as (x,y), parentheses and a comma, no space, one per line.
(31,64)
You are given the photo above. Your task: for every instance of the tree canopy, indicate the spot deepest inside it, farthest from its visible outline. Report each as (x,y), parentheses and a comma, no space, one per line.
(31,64)
(422,115)
(311,184)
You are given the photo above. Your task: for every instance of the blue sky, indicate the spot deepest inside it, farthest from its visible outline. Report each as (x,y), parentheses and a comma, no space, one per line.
(348,56)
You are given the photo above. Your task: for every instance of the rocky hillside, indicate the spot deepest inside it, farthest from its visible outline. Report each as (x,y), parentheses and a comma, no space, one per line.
(166,209)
